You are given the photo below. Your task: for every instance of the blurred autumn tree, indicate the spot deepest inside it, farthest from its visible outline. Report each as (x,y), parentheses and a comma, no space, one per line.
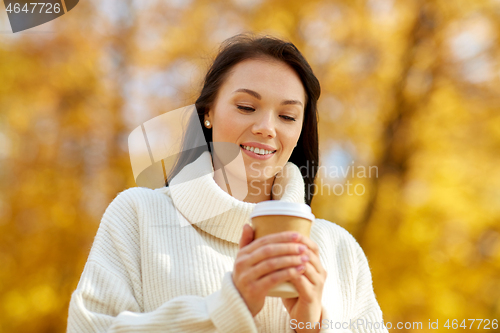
(410,89)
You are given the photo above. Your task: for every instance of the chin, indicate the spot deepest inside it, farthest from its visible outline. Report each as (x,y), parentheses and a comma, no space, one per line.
(260,175)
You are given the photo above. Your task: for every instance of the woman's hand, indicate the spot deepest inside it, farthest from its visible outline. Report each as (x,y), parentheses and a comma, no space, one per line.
(307,307)
(266,262)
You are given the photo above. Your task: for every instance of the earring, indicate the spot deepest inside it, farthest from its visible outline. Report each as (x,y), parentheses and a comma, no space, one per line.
(207,123)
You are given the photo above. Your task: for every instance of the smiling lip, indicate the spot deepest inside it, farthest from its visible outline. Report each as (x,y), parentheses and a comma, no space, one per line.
(257,156)
(258,145)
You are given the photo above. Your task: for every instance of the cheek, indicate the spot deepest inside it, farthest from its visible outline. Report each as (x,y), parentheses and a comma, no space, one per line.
(229,129)
(226,134)
(223,131)
(291,137)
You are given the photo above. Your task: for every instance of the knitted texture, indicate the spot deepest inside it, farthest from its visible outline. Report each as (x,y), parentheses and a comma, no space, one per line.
(162,260)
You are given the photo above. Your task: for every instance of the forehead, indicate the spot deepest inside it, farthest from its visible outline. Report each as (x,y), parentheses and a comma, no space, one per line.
(269,77)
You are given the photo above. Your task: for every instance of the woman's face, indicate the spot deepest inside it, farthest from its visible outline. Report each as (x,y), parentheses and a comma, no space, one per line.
(259,105)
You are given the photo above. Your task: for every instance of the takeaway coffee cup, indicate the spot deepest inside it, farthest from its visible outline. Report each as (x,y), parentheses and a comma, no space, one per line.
(274,216)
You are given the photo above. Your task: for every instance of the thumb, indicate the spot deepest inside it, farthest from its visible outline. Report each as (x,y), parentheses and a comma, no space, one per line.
(246,236)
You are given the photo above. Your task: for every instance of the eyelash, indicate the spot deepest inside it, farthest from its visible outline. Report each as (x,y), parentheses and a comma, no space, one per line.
(249,109)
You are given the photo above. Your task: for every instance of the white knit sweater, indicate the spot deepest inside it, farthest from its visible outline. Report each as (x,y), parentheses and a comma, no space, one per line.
(150,271)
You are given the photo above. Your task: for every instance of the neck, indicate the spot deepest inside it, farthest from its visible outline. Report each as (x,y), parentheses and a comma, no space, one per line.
(257,190)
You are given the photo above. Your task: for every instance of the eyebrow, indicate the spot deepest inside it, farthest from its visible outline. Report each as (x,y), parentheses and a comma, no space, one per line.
(259,97)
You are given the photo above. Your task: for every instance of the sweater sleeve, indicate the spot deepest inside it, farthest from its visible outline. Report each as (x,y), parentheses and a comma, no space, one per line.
(109,297)
(366,315)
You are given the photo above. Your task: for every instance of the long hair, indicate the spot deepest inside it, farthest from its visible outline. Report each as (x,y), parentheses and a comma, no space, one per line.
(247,46)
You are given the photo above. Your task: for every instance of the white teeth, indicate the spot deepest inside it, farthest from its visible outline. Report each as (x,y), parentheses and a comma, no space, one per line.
(258,151)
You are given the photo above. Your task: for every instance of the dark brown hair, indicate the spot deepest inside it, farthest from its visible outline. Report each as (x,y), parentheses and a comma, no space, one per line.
(247,46)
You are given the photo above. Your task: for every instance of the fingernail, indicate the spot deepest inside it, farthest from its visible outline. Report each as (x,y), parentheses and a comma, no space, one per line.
(302,248)
(295,236)
(300,268)
(304,258)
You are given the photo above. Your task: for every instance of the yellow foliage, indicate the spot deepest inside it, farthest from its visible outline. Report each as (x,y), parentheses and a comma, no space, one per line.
(407,87)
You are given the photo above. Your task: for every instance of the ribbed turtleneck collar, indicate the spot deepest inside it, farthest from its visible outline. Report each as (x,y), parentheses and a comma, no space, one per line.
(200,201)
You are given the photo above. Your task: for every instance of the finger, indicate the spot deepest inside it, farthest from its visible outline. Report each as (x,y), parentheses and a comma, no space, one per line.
(304,287)
(310,244)
(271,280)
(271,265)
(280,237)
(308,292)
(315,262)
(312,275)
(289,303)
(275,250)
(246,236)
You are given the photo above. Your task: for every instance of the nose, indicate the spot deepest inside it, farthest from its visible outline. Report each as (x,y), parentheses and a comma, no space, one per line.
(264,125)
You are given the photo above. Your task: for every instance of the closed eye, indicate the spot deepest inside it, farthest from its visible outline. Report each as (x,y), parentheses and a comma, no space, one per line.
(288,118)
(250,109)
(245,108)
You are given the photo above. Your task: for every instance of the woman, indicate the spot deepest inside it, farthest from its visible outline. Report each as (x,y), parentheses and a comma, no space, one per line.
(148,271)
